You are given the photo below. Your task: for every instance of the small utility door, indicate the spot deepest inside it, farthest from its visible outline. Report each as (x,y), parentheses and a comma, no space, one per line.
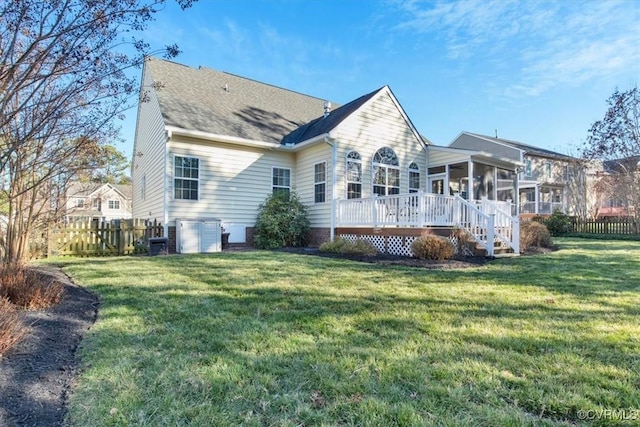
(210,237)
(189,237)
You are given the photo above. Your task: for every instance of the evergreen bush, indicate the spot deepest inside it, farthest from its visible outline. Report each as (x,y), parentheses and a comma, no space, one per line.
(282,222)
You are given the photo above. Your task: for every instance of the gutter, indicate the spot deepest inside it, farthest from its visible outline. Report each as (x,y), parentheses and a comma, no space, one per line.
(323,137)
(172,130)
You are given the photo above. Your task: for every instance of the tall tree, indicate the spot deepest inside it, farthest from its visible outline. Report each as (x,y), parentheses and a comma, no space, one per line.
(111,166)
(616,139)
(63,82)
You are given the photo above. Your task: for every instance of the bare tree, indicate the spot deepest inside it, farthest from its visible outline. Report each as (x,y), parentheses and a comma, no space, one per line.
(63,83)
(616,140)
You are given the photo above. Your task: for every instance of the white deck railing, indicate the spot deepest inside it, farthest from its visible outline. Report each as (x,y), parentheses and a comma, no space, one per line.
(488,222)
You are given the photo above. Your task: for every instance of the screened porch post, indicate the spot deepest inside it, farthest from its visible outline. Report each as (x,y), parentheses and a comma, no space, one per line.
(516,193)
(470,192)
(446,190)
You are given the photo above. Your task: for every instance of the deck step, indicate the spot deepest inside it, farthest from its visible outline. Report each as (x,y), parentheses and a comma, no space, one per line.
(505,255)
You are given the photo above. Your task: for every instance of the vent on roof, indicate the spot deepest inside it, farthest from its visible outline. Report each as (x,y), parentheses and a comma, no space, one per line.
(327,108)
(226,87)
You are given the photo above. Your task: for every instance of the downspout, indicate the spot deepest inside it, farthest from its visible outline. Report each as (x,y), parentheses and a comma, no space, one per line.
(334,180)
(165,201)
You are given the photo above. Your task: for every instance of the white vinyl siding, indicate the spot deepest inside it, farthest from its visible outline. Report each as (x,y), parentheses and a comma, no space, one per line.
(234,180)
(319,214)
(377,125)
(149,157)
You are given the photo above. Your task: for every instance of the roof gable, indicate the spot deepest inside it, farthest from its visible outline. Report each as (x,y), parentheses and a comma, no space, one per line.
(525,148)
(325,124)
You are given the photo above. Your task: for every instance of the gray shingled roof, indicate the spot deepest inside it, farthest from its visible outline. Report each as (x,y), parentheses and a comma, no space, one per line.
(530,149)
(623,165)
(221,103)
(325,124)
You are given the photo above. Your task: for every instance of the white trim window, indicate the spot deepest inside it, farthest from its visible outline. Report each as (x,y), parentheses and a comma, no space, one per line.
(281,180)
(547,169)
(320,182)
(114,204)
(386,172)
(186,177)
(527,168)
(414,177)
(354,175)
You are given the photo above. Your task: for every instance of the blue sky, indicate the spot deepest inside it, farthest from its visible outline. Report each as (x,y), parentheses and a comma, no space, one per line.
(537,71)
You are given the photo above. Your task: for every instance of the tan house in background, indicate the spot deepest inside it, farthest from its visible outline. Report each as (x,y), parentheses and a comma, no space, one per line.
(543,178)
(98,202)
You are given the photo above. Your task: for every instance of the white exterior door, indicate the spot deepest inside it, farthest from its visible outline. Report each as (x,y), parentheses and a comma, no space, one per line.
(210,239)
(189,237)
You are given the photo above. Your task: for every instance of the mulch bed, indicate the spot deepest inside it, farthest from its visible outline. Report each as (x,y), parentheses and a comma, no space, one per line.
(385,259)
(36,374)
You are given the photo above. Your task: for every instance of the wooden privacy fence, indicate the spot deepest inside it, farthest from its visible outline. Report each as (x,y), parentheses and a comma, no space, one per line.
(607,226)
(90,238)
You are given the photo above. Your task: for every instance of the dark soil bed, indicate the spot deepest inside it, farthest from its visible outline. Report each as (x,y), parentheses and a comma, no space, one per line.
(36,374)
(385,259)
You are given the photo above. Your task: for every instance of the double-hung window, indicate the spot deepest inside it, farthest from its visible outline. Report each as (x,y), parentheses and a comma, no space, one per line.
(114,204)
(186,176)
(414,178)
(281,180)
(320,182)
(354,175)
(527,168)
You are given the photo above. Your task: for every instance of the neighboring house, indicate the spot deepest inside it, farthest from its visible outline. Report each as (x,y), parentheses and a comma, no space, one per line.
(616,187)
(544,174)
(211,146)
(98,202)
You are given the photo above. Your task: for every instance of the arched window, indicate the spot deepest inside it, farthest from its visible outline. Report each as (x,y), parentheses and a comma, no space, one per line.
(386,172)
(354,175)
(414,177)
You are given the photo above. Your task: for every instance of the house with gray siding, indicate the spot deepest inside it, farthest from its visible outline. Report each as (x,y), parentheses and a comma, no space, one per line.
(542,178)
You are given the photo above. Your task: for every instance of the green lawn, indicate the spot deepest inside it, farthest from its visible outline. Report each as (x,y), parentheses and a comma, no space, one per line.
(277,339)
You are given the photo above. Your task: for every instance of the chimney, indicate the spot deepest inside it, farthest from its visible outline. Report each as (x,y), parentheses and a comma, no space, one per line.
(327,108)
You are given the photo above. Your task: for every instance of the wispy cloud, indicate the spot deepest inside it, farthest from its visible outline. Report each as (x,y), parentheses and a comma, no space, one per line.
(546,43)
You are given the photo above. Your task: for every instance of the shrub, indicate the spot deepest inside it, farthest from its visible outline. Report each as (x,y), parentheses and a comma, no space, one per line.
(28,289)
(282,221)
(11,328)
(534,234)
(348,247)
(430,246)
(558,223)
(464,243)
